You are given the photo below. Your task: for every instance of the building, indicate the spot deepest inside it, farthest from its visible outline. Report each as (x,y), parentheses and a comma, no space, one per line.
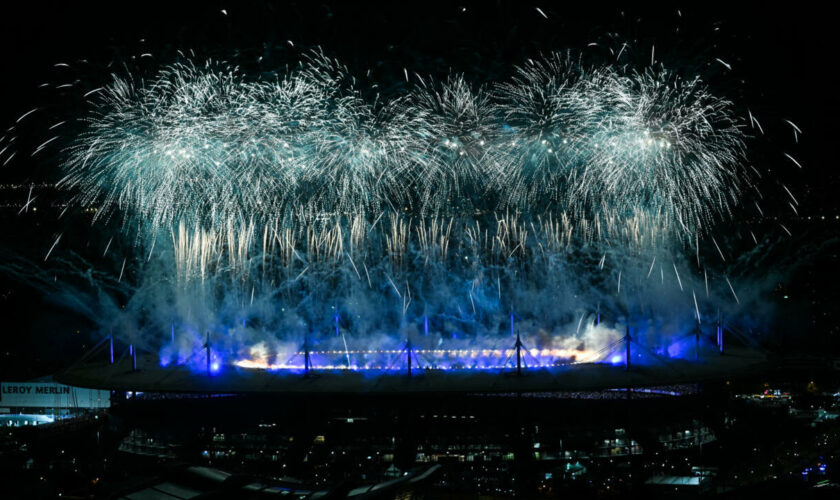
(43,401)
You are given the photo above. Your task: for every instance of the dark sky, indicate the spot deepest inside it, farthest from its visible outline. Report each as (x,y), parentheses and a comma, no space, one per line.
(783,61)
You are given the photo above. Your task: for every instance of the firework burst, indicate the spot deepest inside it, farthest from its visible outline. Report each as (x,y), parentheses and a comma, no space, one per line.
(309,194)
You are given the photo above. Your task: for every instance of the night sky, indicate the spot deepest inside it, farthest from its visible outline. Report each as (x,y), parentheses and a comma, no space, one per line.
(783,67)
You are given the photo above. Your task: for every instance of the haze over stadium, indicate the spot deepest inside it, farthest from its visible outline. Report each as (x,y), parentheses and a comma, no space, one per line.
(242,217)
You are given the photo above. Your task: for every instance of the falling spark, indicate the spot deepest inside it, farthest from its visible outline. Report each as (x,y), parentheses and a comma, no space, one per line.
(791,158)
(754,122)
(732,290)
(91,92)
(720,252)
(679,281)
(299,276)
(9,158)
(26,114)
(43,145)
(52,247)
(796,131)
(394,286)
(696,308)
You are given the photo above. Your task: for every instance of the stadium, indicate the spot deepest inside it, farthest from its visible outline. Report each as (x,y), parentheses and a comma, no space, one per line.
(150,377)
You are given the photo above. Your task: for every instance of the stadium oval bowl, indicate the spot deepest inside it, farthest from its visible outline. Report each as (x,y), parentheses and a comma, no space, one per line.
(150,376)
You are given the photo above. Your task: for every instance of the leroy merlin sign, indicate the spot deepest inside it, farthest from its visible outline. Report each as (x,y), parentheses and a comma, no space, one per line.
(51,395)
